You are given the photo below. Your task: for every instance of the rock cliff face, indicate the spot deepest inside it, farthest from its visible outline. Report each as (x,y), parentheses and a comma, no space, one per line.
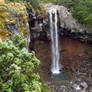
(67,25)
(37,25)
(66,19)
(13,18)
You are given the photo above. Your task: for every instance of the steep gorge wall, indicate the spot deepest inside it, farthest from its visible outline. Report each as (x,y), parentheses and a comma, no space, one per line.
(17,17)
(67,25)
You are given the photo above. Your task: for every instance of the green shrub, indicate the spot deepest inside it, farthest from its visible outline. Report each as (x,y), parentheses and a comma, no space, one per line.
(14,0)
(48,1)
(35,3)
(81,9)
(83,12)
(16,67)
(59,2)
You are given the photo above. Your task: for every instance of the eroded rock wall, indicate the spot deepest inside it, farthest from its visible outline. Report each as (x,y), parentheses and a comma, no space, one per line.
(67,25)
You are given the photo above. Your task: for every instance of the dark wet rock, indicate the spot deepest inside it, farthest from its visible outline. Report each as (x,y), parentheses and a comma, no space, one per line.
(37,25)
(83,37)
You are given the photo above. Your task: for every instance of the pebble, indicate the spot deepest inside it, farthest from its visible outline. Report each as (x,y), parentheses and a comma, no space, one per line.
(76,87)
(84,85)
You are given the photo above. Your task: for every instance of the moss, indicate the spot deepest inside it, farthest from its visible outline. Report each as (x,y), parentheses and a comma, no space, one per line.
(12,14)
(30,6)
(15,7)
(43,11)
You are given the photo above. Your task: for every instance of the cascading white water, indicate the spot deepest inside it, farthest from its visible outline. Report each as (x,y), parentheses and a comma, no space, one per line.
(55,67)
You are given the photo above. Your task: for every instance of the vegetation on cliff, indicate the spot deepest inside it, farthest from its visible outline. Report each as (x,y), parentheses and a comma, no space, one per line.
(13,17)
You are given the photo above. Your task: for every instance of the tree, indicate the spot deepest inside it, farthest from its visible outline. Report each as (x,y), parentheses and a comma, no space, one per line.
(16,67)
(35,3)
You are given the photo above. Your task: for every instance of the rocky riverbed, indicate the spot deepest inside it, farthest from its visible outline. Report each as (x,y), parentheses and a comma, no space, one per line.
(81,79)
(76,61)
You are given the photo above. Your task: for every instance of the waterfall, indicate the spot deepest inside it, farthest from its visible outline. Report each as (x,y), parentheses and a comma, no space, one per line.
(55,67)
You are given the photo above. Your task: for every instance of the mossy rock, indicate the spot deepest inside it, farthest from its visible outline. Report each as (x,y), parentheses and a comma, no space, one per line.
(12,14)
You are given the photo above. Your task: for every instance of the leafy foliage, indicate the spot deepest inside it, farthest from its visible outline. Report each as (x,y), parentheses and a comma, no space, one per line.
(35,3)
(14,0)
(16,67)
(83,12)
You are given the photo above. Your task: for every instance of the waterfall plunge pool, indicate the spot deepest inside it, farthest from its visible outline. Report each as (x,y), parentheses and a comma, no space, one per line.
(73,56)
